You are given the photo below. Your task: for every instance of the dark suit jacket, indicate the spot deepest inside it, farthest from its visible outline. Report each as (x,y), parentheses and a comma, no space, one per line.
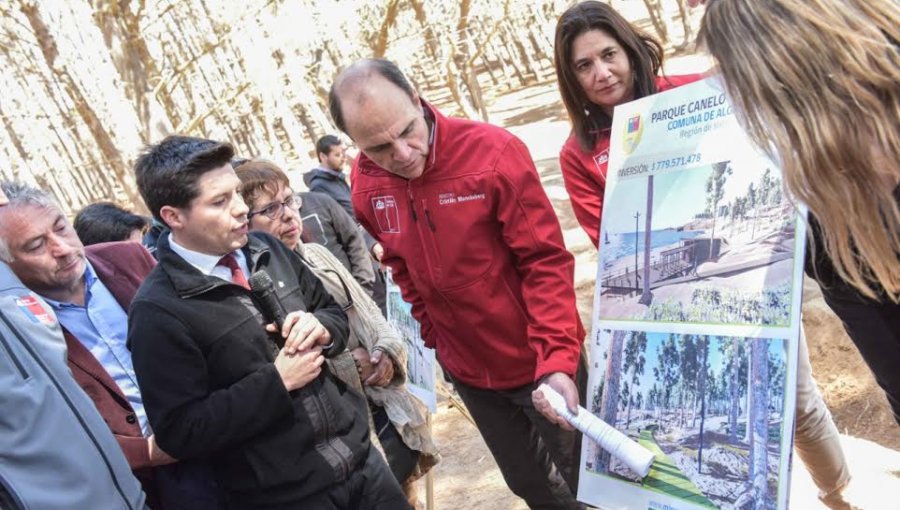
(121,267)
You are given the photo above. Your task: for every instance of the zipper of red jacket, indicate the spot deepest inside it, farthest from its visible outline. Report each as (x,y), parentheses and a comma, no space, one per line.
(426,241)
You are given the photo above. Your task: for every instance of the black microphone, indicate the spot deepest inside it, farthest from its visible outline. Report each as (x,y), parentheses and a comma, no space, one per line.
(264,290)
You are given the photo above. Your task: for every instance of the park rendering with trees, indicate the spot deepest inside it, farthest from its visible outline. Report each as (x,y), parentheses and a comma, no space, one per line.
(719,251)
(712,409)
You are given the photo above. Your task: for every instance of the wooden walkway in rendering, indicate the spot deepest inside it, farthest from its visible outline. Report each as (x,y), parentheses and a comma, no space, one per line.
(669,263)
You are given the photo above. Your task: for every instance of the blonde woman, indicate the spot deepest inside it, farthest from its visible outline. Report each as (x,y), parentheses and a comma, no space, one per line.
(817,84)
(375,361)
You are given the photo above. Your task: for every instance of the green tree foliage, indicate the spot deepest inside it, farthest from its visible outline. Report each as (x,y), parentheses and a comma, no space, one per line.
(634,363)
(715,191)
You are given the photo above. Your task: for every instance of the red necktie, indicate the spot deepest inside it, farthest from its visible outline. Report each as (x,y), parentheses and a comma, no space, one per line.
(237,276)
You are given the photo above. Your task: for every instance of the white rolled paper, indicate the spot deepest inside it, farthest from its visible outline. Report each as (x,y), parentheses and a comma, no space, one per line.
(635,456)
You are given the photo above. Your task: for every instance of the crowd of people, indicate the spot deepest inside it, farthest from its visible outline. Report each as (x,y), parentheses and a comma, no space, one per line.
(143,367)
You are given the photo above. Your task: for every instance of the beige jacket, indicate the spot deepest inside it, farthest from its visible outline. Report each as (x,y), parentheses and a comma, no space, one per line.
(369,329)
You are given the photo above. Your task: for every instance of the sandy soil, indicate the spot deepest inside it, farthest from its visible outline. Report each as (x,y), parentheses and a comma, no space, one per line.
(858,405)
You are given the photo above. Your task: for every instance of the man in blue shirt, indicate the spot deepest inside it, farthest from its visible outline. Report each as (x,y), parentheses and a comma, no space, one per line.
(90,293)
(95,318)
(50,431)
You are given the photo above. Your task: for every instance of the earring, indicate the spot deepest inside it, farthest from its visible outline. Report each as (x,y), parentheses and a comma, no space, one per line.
(586,111)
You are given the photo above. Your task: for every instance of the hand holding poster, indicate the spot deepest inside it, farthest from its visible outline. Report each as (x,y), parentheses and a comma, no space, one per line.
(696,310)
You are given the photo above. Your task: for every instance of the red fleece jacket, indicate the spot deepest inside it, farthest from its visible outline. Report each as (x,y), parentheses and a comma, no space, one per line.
(475,246)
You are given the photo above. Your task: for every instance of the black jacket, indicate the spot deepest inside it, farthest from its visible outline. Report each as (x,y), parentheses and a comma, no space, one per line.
(325,223)
(205,368)
(321,181)
(819,266)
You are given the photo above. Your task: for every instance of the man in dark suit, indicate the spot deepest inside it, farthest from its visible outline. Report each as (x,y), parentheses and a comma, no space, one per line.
(219,382)
(90,291)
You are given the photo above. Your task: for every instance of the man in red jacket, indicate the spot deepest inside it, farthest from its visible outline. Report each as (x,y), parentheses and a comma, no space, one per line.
(477,250)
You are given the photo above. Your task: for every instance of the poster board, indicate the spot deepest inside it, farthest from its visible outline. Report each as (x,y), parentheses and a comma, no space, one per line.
(696,310)
(420,361)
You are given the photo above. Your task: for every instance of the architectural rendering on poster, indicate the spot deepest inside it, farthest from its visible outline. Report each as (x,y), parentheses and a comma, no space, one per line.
(696,311)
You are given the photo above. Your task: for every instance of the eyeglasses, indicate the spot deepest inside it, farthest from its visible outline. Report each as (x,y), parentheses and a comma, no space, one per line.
(275,209)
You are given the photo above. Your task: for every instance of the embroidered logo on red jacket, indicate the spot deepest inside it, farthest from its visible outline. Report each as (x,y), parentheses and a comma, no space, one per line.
(601,159)
(34,309)
(452,198)
(386,214)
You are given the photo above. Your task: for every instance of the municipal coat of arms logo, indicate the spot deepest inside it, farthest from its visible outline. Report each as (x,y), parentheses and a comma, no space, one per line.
(634,128)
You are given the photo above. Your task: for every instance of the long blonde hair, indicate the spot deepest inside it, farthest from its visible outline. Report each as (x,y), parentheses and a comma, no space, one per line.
(816,84)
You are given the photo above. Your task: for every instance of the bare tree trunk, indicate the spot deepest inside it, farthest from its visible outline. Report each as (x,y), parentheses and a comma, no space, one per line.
(646,295)
(13,136)
(735,390)
(510,71)
(685,23)
(390,17)
(760,419)
(704,342)
(430,39)
(465,89)
(136,67)
(654,11)
(524,56)
(748,432)
(609,403)
(90,118)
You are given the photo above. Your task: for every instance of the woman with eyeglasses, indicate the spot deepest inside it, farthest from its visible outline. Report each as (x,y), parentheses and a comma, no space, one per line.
(375,361)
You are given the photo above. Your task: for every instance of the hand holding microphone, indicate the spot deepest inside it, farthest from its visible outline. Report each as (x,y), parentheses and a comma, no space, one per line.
(299,331)
(300,359)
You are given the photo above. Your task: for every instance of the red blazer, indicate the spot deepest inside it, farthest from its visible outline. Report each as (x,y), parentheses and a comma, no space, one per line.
(121,267)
